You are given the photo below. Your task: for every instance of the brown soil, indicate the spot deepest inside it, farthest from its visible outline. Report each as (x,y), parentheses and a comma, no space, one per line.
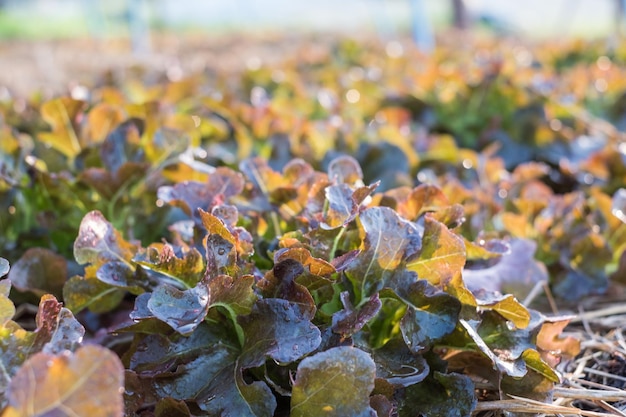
(53,67)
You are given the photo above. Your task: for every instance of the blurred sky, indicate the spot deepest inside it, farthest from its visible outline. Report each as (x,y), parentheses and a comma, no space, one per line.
(534,18)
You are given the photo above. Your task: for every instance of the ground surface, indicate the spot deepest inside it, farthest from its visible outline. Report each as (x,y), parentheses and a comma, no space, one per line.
(55,66)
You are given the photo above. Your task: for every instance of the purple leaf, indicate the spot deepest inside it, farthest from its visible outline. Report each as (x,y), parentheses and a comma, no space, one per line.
(516,272)
(39,270)
(182,310)
(277,329)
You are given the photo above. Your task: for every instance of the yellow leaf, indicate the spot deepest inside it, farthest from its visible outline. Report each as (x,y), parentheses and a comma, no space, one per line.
(60,114)
(103,118)
(512,310)
(442,255)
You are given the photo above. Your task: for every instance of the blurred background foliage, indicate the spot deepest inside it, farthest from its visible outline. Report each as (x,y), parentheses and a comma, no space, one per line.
(41,19)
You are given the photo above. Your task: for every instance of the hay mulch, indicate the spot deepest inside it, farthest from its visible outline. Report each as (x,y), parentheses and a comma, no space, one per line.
(594,382)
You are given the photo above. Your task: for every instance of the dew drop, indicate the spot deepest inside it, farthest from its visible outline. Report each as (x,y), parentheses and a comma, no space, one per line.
(604,63)
(556,125)
(394,49)
(353,96)
(618,206)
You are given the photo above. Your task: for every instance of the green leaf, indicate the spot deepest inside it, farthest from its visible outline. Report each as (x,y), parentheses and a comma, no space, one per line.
(187,269)
(442,394)
(7,308)
(442,255)
(510,366)
(277,329)
(397,365)
(89,292)
(508,307)
(235,294)
(336,382)
(157,354)
(387,163)
(536,363)
(15,349)
(40,271)
(431,314)
(534,385)
(202,368)
(502,345)
(71,384)
(587,256)
(169,407)
(228,395)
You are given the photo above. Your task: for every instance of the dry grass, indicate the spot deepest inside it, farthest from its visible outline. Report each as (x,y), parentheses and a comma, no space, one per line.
(592,383)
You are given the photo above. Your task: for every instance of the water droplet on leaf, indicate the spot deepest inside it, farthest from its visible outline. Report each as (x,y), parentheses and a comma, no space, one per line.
(618,207)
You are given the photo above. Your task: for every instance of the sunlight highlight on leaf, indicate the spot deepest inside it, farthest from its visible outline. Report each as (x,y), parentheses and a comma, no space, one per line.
(336,382)
(442,255)
(71,384)
(61,113)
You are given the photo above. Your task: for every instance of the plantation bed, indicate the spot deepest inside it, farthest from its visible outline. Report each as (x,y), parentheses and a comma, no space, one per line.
(312,226)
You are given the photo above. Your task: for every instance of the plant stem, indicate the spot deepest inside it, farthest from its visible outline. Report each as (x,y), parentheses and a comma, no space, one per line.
(336,242)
